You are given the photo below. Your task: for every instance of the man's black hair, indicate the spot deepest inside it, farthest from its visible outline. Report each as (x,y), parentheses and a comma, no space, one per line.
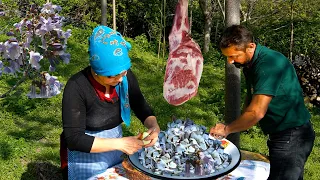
(236,35)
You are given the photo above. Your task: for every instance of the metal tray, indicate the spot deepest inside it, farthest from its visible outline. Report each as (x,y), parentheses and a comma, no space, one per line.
(230,149)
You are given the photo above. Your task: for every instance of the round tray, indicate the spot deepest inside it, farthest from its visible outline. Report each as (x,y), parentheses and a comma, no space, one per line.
(230,149)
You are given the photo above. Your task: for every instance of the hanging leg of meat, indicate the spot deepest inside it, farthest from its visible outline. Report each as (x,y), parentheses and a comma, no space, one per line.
(185,62)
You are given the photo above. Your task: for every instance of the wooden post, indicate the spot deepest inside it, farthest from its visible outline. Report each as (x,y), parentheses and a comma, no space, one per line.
(104,12)
(114,15)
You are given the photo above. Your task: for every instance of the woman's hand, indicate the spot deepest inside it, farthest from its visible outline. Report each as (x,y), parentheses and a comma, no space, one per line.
(130,145)
(153,136)
(153,130)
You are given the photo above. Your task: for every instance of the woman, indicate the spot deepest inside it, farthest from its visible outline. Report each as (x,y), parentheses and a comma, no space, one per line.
(96,101)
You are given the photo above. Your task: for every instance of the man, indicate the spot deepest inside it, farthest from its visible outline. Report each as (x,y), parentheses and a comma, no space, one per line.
(274,100)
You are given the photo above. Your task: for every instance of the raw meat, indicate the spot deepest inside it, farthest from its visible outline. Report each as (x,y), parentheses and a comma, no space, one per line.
(185,62)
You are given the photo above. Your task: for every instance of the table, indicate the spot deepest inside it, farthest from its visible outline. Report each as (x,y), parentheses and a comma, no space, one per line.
(251,165)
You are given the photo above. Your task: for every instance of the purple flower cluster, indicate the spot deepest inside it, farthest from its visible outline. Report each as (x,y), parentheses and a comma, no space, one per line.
(2,12)
(37,37)
(49,87)
(53,85)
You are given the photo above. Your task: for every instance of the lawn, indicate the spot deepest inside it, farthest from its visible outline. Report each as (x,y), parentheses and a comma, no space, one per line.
(30,128)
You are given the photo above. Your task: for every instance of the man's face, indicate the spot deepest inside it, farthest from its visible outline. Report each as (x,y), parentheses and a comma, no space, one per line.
(238,57)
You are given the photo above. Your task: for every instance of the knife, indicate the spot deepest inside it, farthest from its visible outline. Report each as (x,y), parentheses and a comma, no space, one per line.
(149,133)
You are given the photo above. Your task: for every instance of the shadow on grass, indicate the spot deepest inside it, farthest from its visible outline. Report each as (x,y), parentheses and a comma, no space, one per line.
(315,142)
(315,110)
(30,133)
(42,171)
(5,151)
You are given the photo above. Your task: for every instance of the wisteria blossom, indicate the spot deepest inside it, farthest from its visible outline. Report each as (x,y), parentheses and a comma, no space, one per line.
(66,35)
(2,47)
(50,86)
(12,50)
(53,84)
(35,58)
(10,33)
(44,43)
(20,59)
(14,65)
(20,25)
(46,25)
(49,8)
(8,70)
(28,39)
(52,68)
(1,66)
(34,41)
(65,57)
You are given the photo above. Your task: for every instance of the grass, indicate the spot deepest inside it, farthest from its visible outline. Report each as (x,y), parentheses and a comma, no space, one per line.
(30,128)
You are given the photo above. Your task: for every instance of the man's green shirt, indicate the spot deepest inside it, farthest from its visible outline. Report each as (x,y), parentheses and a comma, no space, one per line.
(271,73)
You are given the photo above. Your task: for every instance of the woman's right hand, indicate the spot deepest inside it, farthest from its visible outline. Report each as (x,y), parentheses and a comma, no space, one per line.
(131,144)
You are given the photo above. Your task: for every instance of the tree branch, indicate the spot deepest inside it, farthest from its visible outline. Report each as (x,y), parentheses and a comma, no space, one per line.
(280,27)
(254,20)
(23,78)
(291,38)
(222,10)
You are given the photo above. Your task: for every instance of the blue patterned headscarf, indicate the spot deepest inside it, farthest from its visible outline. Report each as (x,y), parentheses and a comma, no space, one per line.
(108,52)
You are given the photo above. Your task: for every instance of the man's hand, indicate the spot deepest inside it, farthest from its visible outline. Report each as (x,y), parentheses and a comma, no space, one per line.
(219,131)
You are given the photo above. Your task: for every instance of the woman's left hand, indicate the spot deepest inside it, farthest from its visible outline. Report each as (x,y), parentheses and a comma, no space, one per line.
(153,136)
(153,130)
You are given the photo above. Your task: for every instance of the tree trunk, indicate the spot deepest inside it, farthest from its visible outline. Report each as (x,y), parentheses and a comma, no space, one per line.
(216,33)
(114,15)
(291,38)
(247,15)
(207,10)
(250,9)
(222,9)
(232,74)
(104,12)
(190,19)
(160,33)
(164,29)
